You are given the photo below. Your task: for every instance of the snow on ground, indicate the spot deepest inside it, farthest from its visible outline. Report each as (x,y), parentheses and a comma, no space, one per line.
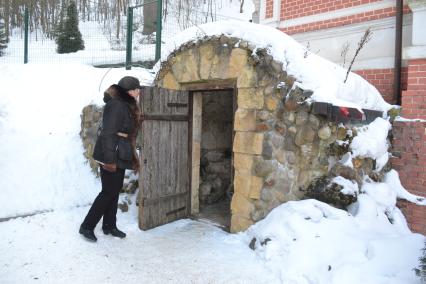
(304,242)
(312,72)
(48,248)
(43,169)
(311,242)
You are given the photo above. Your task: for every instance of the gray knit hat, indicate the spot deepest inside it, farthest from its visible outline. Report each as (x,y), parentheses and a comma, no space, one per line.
(129,83)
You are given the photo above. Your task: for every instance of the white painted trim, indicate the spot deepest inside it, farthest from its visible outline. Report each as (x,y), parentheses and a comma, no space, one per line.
(414,52)
(417,5)
(376,63)
(337,14)
(275,20)
(379,24)
(262,11)
(271,23)
(277,10)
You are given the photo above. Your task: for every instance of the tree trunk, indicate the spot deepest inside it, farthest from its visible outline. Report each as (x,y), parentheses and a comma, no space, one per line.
(118,14)
(149,18)
(7,17)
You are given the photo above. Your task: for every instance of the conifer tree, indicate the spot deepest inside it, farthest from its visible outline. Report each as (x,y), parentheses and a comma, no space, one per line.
(3,37)
(69,38)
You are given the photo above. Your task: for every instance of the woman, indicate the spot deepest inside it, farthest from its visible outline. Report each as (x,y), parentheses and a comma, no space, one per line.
(115,152)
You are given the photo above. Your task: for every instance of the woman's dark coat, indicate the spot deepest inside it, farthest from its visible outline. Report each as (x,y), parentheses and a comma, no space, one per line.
(118,117)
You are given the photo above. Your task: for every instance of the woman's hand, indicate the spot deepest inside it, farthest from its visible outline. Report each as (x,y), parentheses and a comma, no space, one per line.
(110,167)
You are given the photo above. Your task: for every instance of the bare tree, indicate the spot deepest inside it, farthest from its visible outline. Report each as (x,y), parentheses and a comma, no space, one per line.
(149,17)
(344,52)
(241,6)
(363,41)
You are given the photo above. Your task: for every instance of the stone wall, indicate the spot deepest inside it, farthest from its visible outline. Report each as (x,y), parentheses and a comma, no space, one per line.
(280,148)
(90,120)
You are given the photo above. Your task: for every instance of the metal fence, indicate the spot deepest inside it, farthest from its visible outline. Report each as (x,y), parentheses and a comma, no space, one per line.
(108,43)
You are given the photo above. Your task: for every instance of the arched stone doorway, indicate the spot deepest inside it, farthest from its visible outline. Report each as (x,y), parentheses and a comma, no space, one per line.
(276,148)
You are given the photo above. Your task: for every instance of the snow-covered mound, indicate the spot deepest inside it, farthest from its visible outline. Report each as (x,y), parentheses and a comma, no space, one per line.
(312,72)
(311,242)
(371,141)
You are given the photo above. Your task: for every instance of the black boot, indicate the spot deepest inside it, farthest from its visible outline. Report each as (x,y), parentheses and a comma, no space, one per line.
(115,232)
(88,234)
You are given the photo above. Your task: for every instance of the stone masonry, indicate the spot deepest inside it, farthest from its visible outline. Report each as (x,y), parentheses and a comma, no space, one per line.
(280,148)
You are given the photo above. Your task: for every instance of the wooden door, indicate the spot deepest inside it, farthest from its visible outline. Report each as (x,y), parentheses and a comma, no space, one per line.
(164,177)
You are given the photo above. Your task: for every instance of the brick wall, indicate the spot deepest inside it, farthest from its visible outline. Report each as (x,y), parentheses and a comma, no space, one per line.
(347,20)
(414,98)
(291,9)
(269,9)
(409,151)
(383,80)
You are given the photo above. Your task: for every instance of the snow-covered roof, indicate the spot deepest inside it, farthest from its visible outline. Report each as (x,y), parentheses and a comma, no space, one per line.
(311,71)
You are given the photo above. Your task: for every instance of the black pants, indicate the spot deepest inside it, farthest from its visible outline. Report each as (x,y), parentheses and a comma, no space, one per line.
(106,202)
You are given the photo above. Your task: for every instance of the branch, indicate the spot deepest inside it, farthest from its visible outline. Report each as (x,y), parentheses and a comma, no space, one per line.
(365,38)
(344,53)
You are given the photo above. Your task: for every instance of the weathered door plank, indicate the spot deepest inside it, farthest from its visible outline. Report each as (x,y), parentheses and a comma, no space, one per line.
(164,179)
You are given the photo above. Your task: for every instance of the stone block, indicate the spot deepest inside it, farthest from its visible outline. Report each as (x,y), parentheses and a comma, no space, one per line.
(301,117)
(324,133)
(239,223)
(264,115)
(243,162)
(305,135)
(262,127)
(206,56)
(248,143)
(250,98)
(271,103)
(247,185)
(220,63)
(247,78)
(242,184)
(256,187)
(237,62)
(263,168)
(341,133)
(169,82)
(245,120)
(241,205)
(185,68)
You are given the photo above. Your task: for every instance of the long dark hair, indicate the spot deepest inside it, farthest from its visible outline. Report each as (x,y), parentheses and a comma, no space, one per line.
(117,91)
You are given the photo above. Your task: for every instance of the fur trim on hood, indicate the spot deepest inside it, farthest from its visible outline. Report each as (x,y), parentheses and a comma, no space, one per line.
(122,94)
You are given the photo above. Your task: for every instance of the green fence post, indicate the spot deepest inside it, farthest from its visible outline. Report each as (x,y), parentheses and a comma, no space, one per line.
(158,30)
(26,23)
(129,38)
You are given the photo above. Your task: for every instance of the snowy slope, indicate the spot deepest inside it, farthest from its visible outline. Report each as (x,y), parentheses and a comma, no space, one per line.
(311,242)
(42,166)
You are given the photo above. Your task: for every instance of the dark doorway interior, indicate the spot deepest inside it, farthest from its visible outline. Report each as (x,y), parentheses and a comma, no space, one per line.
(216,171)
